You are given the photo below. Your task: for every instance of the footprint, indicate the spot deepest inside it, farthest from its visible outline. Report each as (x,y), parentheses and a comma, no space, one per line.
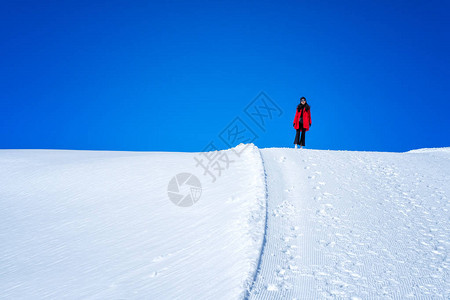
(287,251)
(325,243)
(287,286)
(321,212)
(154,274)
(289,189)
(287,238)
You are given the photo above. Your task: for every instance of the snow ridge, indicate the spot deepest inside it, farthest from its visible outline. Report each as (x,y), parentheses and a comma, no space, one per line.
(264,237)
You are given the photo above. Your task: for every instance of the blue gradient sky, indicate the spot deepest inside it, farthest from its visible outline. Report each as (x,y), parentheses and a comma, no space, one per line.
(172,75)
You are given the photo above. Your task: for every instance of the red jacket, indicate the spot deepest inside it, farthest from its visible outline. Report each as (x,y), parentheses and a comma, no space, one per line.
(306,118)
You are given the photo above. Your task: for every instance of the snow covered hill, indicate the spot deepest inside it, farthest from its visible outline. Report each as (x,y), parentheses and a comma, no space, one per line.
(356,225)
(273,223)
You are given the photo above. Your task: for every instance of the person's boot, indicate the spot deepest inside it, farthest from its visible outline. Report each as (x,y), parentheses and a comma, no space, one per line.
(295,146)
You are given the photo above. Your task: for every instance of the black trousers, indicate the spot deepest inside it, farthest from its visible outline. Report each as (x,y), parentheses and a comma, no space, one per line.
(300,139)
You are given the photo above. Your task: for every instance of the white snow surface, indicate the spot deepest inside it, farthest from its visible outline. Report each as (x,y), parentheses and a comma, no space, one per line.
(278,223)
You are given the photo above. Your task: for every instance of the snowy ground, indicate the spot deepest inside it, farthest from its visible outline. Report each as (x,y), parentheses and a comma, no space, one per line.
(100,225)
(353,225)
(279,223)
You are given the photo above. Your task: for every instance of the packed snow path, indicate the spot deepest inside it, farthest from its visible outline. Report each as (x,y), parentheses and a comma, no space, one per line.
(355,225)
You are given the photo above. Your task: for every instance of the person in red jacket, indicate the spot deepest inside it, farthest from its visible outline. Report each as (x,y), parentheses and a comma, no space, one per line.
(302,121)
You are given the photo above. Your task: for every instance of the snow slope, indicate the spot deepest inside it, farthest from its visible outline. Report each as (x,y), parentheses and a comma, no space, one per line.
(356,225)
(100,225)
(279,223)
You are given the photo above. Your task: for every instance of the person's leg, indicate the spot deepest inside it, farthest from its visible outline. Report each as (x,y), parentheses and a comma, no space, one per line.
(297,137)
(302,139)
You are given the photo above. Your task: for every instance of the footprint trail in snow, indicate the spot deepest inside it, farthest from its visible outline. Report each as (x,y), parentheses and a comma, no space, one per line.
(355,225)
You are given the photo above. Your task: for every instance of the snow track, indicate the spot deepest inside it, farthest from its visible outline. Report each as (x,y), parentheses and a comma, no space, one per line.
(264,238)
(355,225)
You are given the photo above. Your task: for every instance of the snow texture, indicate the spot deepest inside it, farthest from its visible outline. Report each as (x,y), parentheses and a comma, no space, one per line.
(100,225)
(356,225)
(278,223)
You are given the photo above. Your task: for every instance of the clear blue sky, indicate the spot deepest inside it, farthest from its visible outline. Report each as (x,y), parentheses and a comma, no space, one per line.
(172,75)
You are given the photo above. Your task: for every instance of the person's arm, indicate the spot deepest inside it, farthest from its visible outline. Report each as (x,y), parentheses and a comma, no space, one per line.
(295,118)
(310,117)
